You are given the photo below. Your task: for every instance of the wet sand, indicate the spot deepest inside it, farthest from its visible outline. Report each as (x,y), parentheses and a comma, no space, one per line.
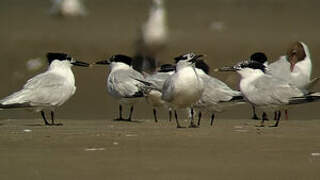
(104,149)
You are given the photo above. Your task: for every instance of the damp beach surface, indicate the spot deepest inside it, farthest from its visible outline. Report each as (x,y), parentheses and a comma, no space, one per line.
(105,149)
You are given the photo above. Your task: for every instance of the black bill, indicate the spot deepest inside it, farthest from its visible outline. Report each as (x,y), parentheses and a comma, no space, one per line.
(103,62)
(79,63)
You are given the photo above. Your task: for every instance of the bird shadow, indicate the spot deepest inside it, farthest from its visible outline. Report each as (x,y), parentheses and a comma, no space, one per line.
(34,125)
(125,121)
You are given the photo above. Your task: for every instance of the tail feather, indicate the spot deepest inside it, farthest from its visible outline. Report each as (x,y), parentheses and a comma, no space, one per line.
(313,97)
(15,105)
(137,95)
(238,98)
(148,85)
(234,99)
(144,82)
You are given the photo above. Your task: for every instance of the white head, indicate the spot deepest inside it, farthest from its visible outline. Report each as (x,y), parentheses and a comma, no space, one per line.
(246,68)
(186,60)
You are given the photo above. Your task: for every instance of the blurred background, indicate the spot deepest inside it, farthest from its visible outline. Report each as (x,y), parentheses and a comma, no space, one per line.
(225,30)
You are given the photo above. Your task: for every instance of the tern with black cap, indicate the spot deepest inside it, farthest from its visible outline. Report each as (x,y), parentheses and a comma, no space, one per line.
(267,92)
(295,67)
(48,90)
(122,83)
(153,97)
(184,88)
(217,96)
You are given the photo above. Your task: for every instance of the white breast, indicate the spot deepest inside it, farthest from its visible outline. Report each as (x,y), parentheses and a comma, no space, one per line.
(188,88)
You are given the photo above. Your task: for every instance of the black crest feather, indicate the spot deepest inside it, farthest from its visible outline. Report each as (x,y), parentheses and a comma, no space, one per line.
(121,58)
(200,64)
(259,57)
(51,56)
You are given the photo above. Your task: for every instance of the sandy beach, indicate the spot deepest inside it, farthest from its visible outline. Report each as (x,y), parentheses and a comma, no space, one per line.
(104,149)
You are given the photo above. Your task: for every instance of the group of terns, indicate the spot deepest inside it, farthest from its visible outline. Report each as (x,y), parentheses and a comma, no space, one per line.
(184,84)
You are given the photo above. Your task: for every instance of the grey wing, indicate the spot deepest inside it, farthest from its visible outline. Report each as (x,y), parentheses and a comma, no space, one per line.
(44,89)
(123,83)
(216,91)
(168,89)
(274,91)
(158,79)
(223,91)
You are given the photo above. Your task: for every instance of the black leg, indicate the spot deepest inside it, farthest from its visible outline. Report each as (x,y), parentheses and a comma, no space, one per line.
(264,117)
(155,115)
(192,125)
(278,119)
(130,115)
(52,120)
(275,115)
(120,114)
(254,116)
(176,116)
(286,114)
(44,118)
(170,115)
(212,119)
(120,111)
(199,117)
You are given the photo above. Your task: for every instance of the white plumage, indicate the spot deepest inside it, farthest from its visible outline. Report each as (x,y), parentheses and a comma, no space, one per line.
(183,88)
(122,83)
(47,90)
(67,8)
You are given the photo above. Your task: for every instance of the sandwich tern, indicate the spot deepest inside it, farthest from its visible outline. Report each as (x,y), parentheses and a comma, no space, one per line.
(295,67)
(184,87)
(153,97)
(267,92)
(122,83)
(261,58)
(48,90)
(216,95)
